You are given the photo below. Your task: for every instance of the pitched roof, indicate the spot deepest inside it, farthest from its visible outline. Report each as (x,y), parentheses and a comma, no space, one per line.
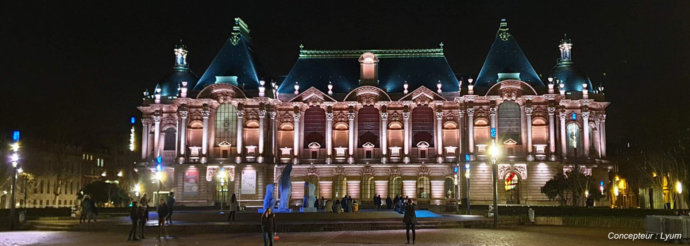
(315,68)
(233,59)
(506,57)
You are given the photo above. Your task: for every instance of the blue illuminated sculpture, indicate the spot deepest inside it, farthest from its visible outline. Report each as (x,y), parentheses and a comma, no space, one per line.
(309,198)
(269,201)
(285,187)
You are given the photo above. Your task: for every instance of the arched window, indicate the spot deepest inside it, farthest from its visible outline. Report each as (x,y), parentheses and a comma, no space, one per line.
(422,125)
(574,139)
(368,125)
(169,142)
(395,187)
(314,126)
(226,124)
(509,122)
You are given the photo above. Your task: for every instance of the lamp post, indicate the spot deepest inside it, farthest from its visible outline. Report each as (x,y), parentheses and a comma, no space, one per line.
(158,177)
(221,178)
(467,179)
(495,152)
(14,159)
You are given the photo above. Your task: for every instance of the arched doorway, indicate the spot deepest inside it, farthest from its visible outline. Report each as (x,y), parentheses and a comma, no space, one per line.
(339,186)
(368,188)
(395,187)
(512,186)
(574,139)
(448,188)
(423,188)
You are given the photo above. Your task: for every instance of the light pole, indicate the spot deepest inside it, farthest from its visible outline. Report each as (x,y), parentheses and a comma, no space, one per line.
(467,179)
(221,178)
(495,152)
(159,178)
(14,159)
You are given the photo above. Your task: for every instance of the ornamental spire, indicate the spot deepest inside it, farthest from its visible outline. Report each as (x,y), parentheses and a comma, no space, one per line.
(565,46)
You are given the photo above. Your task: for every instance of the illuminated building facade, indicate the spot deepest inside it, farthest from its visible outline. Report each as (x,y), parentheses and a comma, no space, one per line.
(367,122)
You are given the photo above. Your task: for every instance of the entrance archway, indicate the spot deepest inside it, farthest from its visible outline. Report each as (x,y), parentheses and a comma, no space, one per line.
(512,186)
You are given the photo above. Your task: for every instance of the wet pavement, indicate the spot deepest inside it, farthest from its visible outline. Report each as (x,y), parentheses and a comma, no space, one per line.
(524,235)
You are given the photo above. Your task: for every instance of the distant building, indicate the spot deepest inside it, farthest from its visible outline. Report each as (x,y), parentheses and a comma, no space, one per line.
(367,122)
(54,174)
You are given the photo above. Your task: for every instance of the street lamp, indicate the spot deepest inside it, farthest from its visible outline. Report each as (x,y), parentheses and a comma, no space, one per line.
(467,179)
(495,152)
(679,190)
(221,178)
(158,176)
(14,159)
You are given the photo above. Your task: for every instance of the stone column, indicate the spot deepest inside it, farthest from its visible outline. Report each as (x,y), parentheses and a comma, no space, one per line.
(145,134)
(296,134)
(183,131)
(492,119)
(262,118)
(157,133)
(597,138)
(406,133)
(439,134)
(384,136)
(585,123)
(460,127)
(564,150)
(530,154)
(329,136)
(274,134)
(470,130)
(351,136)
(204,139)
(602,132)
(552,133)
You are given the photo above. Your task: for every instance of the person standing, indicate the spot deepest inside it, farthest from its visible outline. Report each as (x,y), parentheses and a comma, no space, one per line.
(336,206)
(268,226)
(343,203)
(92,213)
(389,202)
(410,220)
(143,218)
(162,217)
(350,204)
(170,202)
(234,207)
(134,217)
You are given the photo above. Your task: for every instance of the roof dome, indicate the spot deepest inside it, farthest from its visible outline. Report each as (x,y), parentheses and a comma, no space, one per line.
(566,73)
(171,83)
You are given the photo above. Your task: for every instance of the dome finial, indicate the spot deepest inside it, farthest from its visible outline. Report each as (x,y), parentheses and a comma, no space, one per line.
(180,54)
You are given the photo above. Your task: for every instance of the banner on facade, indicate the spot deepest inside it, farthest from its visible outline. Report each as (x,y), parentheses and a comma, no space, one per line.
(191,181)
(248,182)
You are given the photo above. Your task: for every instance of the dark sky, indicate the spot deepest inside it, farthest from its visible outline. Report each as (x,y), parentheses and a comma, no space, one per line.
(77,69)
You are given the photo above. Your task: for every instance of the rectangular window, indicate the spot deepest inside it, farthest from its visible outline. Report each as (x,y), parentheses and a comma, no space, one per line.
(314,154)
(422,154)
(367,154)
(224,153)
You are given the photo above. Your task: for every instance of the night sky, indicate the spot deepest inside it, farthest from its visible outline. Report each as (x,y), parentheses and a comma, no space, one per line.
(75,70)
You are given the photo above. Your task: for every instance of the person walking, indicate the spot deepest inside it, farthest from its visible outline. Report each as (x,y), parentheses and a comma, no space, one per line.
(143,218)
(234,207)
(268,226)
(410,220)
(389,202)
(170,202)
(84,209)
(134,217)
(162,217)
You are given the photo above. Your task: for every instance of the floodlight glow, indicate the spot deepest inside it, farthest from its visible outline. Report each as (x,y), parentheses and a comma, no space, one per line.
(495,151)
(679,187)
(14,157)
(15,147)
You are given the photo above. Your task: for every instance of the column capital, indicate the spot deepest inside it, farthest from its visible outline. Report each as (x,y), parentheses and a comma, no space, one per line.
(156,118)
(296,116)
(585,115)
(262,113)
(602,117)
(470,112)
(492,110)
(439,115)
(240,114)
(461,113)
(184,114)
(273,115)
(406,115)
(206,113)
(562,114)
(529,110)
(551,110)
(329,116)
(351,116)
(384,116)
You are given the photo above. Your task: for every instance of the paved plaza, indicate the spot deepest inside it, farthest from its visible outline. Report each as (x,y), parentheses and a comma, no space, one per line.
(530,235)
